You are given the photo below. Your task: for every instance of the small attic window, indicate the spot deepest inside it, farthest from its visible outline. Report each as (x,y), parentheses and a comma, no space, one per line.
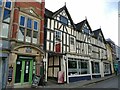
(100,38)
(64,20)
(86,29)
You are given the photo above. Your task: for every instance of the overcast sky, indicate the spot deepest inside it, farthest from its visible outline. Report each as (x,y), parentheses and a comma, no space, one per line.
(99,13)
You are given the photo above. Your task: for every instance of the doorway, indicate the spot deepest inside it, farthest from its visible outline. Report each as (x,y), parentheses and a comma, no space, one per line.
(23,71)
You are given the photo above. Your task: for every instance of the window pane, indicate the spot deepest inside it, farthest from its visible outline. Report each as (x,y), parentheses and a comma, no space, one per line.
(6,17)
(0,2)
(58,35)
(22,20)
(35,25)
(35,34)
(28,35)
(29,23)
(72,64)
(8,4)
(4,30)
(21,34)
(64,20)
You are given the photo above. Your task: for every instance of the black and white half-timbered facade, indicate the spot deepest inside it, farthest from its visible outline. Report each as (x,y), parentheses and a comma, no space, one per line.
(72,48)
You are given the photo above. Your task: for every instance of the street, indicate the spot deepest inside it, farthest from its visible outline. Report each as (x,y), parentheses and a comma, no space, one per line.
(109,83)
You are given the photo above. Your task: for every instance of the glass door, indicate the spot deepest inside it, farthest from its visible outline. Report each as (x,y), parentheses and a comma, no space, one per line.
(23,71)
(18,71)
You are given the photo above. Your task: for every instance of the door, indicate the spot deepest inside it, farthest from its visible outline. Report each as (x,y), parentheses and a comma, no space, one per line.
(23,71)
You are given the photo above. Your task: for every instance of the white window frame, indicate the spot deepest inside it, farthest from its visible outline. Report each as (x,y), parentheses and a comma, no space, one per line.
(32,29)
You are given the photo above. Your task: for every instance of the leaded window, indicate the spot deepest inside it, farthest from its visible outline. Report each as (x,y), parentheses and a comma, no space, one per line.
(58,35)
(28,29)
(64,20)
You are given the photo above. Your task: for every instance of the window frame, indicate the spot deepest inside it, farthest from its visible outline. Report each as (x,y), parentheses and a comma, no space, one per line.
(58,35)
(62,18)
(27,28)
(3,8)
(78,69)
(72,40)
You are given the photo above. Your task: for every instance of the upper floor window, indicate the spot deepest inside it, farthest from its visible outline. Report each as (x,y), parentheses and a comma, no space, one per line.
(5,11)
(64,20)
(86,29)
(100,38)
(58,35)
(8,4)
(72,41)
(0,2)
(28,29)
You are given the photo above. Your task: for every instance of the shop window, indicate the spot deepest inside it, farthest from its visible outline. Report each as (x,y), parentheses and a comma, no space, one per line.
(8,4)
(95,67)
(72,64)
(78,67)
(6,16)
(106,68)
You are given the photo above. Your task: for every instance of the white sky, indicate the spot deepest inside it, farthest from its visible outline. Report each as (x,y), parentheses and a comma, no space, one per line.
(99,13)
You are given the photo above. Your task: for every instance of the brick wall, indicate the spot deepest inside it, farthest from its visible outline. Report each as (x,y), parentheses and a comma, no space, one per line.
(39,9)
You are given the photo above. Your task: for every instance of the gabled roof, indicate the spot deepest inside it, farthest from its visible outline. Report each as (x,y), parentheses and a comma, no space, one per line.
(48,13)
(96,34)
(51,14)
(80,25)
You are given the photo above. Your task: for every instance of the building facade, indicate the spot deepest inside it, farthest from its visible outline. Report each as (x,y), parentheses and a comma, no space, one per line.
(113,47)
(109,56)
(73,48)
(23,27)
(6,10)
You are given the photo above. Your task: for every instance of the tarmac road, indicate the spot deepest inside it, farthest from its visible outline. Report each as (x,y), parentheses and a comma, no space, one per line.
(109,83)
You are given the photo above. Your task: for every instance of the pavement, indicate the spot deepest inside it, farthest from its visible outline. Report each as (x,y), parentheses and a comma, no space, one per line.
(77,84)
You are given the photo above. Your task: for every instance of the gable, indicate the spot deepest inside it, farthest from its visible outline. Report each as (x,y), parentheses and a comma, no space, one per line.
(84,27)
(30,11)
(63,16)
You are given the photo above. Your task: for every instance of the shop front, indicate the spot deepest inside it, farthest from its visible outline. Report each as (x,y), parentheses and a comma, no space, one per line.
(24,63)
(4,57)
(78,68)
(3,69)
(96,69)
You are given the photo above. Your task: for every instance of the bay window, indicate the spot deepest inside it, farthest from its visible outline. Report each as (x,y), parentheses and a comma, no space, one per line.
(28,29)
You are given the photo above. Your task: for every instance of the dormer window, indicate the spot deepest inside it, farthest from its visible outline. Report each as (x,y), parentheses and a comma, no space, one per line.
(64,20)
(86,29)
(100,38)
